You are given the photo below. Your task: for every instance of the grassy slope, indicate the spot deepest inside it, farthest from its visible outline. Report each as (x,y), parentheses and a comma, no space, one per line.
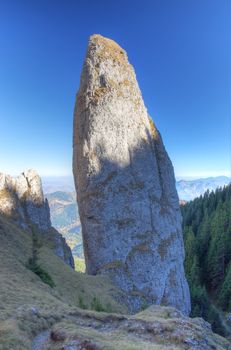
(28,306)
(21,291)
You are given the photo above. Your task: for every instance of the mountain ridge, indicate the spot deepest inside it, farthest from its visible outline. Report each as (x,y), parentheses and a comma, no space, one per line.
(190,189)
(66,184)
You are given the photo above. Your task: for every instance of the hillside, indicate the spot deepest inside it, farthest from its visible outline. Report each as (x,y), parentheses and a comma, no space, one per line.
(64,216)
(23,294)
(30,307)
(207,235)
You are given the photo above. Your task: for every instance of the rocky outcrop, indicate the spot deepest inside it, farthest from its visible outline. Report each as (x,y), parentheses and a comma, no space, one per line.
(155,328)
(128,205)
(22,200)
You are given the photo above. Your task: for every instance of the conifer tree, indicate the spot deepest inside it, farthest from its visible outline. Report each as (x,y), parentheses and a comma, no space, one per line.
(207,237)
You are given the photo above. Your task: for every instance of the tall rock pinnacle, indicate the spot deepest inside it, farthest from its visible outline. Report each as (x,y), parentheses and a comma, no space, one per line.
(128,205)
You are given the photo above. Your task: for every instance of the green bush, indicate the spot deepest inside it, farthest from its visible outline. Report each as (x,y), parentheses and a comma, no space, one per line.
(96,305)
(82,305)
(39,271)
(144,305)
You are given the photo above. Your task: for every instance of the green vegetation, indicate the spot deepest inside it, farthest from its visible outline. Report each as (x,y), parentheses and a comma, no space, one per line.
(82,304)
(95,305)
(32,263)
(207,236)
(27,304)
(79,264)
(44,276)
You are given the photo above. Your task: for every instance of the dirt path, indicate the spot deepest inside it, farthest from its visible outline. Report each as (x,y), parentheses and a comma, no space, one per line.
(41,340)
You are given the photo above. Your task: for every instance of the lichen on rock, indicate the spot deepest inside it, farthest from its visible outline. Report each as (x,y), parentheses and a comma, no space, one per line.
(128,204)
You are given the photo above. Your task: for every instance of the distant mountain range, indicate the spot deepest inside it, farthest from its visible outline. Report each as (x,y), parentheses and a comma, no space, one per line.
(190,189)
(58,183)
(64,212)
(187,189)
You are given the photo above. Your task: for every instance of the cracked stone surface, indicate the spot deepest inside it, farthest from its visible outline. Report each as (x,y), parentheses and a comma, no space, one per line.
(128,204)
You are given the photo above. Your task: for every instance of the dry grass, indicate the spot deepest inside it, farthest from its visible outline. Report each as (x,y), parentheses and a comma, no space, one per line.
(110,340)
(72,285)
(28,306)
(157,328)
(22,291)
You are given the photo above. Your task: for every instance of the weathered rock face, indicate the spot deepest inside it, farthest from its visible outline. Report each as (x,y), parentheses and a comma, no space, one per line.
(23,201)
(128,205)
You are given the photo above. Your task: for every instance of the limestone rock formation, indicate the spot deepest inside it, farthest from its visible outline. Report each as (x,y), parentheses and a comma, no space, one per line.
(128,204)
(22,200)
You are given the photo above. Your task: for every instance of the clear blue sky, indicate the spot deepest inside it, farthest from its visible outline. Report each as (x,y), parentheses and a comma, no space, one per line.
(181,51)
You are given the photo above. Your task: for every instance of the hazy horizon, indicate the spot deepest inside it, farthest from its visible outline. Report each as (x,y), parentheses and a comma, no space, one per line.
(177,177)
